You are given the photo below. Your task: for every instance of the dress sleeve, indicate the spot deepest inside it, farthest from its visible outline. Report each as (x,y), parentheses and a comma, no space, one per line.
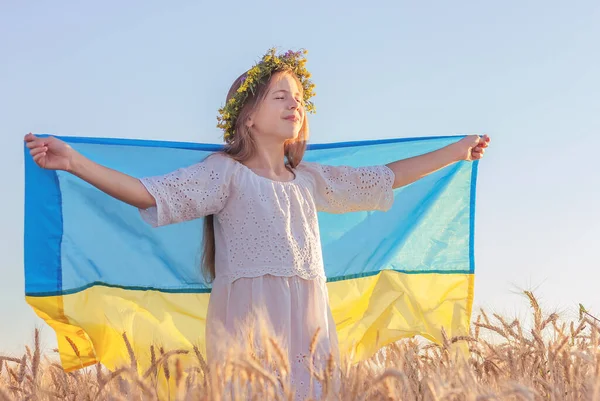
(343,189)
(190,192)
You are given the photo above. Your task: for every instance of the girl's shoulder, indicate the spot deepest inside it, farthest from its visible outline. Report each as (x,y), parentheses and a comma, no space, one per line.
(219,164)
(220,158)
(309,167)
(318,170)
(314,172)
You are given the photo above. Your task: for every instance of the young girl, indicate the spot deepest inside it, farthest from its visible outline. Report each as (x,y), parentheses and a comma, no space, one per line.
(260,202)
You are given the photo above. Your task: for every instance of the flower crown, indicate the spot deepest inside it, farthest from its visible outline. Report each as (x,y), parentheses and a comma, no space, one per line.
(260,72)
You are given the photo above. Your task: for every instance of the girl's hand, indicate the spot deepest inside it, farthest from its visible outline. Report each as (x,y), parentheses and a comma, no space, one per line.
(50,153)
(472,147)
(53,154)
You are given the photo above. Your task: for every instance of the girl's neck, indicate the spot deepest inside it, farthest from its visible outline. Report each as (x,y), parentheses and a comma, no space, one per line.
(269,160)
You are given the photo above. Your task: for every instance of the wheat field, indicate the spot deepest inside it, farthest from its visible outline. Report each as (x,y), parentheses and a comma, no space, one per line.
(551,360)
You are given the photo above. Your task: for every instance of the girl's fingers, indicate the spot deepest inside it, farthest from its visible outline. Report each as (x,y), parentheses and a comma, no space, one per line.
(35,143)
(39,156)
(36,151)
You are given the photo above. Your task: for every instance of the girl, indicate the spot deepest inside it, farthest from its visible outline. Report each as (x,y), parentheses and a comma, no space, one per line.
(260,202)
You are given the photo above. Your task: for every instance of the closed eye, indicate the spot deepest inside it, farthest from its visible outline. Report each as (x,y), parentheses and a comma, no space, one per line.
(301,101)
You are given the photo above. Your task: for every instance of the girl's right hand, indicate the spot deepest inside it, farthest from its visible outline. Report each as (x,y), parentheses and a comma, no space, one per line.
(50,153)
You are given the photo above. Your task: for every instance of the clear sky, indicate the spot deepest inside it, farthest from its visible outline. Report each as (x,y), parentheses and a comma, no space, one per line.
(526,73)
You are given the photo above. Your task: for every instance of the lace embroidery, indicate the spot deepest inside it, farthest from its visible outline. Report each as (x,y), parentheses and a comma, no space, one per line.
(187,193)
(346,189)
(306,272)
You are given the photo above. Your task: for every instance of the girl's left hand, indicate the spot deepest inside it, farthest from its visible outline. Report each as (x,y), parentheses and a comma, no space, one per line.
(472,147)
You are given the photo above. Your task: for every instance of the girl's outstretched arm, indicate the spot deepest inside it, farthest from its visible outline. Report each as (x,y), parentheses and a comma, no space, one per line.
(409,170)
(53,154)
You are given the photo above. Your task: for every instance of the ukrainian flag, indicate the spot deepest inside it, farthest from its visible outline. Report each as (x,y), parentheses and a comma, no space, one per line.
(94,270)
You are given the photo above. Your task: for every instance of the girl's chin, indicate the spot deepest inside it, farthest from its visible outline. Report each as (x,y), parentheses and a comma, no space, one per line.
(286,136)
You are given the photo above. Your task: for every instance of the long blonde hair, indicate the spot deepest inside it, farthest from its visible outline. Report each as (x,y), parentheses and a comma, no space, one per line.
(242,147)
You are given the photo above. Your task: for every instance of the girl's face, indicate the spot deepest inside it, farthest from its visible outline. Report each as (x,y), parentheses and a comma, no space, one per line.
(281,113)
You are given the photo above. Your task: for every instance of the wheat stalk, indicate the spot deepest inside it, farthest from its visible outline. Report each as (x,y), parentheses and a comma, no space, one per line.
(549,360)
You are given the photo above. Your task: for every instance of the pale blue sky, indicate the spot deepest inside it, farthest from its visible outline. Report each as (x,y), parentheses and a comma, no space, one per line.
(526,73)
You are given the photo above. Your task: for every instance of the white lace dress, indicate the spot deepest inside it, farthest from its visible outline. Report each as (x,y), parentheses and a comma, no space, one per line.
(268,250)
